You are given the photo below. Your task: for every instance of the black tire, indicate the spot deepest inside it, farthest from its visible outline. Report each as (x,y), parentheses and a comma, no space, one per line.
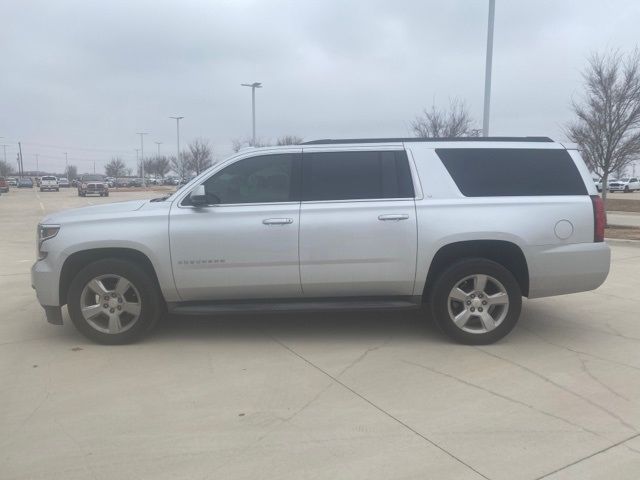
(150,298)
(452,276)
(626,189)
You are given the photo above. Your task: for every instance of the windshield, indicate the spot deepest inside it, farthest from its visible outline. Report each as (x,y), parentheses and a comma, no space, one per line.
(92,178)
(48,178)
(624,179)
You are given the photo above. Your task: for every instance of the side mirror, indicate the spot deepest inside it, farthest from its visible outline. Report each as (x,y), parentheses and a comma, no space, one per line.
(198,196)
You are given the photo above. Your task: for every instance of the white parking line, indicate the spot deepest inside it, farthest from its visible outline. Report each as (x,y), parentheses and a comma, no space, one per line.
(40,201)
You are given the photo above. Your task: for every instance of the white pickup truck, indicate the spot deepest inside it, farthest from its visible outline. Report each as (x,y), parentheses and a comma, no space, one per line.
(49,183)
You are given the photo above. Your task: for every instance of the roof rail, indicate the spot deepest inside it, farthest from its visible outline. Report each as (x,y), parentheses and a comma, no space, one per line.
(334,141)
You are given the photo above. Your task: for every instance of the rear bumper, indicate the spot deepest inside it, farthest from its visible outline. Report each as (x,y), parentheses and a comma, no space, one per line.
(562,269)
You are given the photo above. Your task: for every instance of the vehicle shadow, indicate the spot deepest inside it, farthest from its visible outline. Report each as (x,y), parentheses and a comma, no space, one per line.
(345,326)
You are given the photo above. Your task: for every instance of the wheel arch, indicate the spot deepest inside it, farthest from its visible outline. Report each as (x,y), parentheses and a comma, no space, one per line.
(506,253)
(78,260)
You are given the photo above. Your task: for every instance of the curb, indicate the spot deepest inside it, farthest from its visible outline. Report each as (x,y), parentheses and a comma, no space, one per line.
(622,242)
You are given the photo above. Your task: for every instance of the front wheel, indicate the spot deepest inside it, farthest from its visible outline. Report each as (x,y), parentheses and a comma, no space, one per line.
(113,301)
(476,301)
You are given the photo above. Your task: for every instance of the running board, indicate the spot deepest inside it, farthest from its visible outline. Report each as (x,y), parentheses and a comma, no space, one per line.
(295,305)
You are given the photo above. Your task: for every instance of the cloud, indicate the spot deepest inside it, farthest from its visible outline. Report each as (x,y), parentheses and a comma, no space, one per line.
(91,74)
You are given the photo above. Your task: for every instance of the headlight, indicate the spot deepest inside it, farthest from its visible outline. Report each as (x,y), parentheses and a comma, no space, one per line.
(45,232)
(84,185)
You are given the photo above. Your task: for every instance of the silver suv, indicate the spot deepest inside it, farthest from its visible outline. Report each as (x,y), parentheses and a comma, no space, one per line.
(464,226)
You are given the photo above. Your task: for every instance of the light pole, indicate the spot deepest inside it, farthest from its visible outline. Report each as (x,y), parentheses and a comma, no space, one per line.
(4,146)
(487,71)
(142,134)
(253,86)
(177,119)
(158,143)
(37,162)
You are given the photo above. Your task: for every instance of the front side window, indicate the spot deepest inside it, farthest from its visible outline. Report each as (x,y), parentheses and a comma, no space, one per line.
(356,175)
(261,179)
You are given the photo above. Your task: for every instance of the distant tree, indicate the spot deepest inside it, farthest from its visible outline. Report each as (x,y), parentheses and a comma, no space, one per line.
(200,155)
(238,144)
(161,166)
(115,168)
(607,128)
(71,172)
(452,122)
(289,140)
(5,168)
(180,166)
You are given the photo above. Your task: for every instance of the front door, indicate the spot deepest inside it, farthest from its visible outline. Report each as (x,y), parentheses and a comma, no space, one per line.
(244,244)
(358,230)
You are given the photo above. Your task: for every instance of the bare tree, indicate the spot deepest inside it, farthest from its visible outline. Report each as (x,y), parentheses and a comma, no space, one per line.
(5,168)
(71,172)
(161,166)
(607,129)
(115,168)
(452,122)
(238,144)
(289,140)
(200,155)
(180,166)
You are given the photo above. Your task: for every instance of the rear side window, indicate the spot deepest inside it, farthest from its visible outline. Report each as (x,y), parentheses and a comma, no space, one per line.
(356,175)
(495,172)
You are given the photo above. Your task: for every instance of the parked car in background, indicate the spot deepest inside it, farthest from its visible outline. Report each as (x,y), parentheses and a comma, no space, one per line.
(12,181)
(49,183)
(111,182)
(4,186)
(64,183)
(25,182)
(92,184)
(625,184)
(134,182)
(598,183)
(37,181)
(74,182)
(173,181)
(463,227)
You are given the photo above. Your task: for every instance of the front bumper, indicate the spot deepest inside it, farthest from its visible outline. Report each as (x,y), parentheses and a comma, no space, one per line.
(45,280)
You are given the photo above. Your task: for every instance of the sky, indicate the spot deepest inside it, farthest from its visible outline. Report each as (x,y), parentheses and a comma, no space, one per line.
(83,77)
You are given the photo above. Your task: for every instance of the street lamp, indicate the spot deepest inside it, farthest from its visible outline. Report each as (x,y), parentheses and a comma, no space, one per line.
(177,119)
(253,86)
(487,71)
(142,134)
(158,143)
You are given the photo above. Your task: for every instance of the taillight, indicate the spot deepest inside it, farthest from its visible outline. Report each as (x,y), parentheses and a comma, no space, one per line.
(598,218)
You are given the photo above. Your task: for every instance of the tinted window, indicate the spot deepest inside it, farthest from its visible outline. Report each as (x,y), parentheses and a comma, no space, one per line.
(489,172)
(356,175)
(48,178)
(92,178)
(263,179)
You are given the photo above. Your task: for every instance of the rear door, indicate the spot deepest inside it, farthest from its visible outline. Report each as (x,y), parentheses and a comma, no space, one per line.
(358,234)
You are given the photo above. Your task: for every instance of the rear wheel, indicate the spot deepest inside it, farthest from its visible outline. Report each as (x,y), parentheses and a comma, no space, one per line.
(476,301)
(114,302)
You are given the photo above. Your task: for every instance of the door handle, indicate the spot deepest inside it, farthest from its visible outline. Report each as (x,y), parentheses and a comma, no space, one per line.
(393,217)
(277,221)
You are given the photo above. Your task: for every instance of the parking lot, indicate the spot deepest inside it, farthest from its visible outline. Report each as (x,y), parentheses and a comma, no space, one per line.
(322,396)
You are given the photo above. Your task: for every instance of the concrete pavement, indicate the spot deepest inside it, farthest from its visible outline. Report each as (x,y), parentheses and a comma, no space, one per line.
(375,396)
